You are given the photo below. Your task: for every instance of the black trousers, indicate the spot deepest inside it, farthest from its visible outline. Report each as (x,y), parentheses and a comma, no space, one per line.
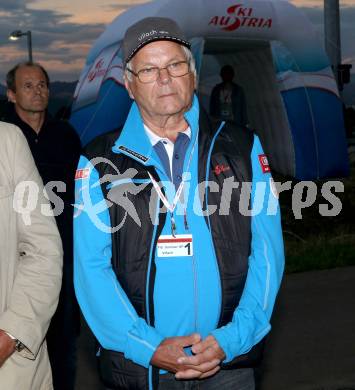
(241,379)
(63,333)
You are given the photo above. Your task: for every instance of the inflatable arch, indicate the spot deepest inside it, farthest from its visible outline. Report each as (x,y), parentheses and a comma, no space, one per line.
(292,96)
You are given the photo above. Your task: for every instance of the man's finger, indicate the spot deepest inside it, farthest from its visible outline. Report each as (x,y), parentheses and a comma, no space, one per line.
(186,341)
(203,367)
(202,371)
(203,344)
(195,360)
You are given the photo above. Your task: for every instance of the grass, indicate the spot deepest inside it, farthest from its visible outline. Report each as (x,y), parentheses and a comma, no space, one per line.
(320,252)
(316,242)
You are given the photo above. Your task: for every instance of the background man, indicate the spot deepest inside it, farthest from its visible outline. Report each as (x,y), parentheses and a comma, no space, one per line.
(172,292)
(227,101)
(55,147)
(30,270)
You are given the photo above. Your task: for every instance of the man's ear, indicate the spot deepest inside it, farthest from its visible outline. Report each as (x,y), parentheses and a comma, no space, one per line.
(11,96)
(126,84)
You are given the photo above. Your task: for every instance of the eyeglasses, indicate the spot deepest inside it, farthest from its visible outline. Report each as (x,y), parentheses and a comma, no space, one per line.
(29,87)
(149,75)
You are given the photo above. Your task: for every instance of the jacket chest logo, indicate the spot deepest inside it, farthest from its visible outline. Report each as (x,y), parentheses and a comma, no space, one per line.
(264,163)
(134,154)
(82,174)
(220,168)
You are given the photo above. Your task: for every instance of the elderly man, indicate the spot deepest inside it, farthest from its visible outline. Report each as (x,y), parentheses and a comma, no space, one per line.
(30,267)
(176,277)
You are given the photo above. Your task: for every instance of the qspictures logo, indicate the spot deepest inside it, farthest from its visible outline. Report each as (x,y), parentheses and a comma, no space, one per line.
(240,16)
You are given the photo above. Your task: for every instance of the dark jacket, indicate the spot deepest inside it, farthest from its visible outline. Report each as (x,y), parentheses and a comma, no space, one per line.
(238,104)
(130,262)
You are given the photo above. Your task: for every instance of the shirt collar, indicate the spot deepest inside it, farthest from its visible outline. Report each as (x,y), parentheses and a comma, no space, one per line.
(137,145)
(155,138)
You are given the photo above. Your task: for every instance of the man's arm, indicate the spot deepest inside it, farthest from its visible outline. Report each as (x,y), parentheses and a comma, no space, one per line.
(104,303)
(35,290)
(251,320)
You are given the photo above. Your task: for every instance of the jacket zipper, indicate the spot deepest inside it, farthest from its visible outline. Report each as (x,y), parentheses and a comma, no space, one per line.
(208,216)
(152,247)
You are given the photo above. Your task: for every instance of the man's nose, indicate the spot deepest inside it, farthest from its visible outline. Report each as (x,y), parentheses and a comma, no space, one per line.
(38,89)
(164,76)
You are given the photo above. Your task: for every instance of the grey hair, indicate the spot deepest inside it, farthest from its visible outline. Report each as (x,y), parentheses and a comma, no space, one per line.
(127,73)
(188,55)
(190,58)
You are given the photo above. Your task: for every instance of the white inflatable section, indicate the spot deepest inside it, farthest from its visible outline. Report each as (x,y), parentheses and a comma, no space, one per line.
(254,71)
(323,79)
(278,58)
(259,19)
(108,65)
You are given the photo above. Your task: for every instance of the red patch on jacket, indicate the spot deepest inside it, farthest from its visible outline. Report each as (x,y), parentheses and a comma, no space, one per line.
(218,169)
(264,163)
(82,173)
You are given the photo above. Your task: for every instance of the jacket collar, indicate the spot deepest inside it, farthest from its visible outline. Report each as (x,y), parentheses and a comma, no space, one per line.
(134,142)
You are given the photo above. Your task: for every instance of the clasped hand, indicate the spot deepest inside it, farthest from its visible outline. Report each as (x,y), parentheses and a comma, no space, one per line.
(205,361)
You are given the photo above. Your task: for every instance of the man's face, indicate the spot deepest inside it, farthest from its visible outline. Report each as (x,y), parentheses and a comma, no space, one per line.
(167,95)
(227,75)
(31,90)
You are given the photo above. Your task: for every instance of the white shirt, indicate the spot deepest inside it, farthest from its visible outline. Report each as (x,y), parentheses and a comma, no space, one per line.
(168,144)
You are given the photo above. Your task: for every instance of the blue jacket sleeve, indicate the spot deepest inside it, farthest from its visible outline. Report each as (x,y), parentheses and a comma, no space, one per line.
(251,320)
(103,302)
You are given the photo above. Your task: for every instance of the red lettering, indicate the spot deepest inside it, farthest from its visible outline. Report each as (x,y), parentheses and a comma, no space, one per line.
(224,20)
(268,23)
(252,22)
(244,20)
(214,21)
(242,12)
(233,8)
(221,168)
(233,26)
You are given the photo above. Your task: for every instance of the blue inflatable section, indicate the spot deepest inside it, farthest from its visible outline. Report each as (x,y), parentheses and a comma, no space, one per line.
(317,125)
(109,112)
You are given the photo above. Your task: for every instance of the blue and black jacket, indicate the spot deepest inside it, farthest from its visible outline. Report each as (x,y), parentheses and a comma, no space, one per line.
(116,267)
